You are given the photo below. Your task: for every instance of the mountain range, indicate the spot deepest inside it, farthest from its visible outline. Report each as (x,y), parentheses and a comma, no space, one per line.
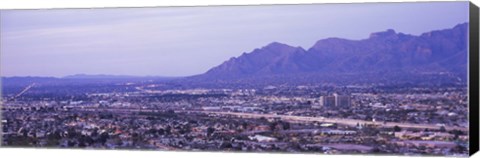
(387,57)
(387,52)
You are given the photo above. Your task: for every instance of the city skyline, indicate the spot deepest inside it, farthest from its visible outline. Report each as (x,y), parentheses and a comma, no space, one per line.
(135,52)
(377,78)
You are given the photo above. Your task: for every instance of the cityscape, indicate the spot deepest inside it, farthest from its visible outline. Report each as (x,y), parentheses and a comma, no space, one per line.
(391,93)
(360,119)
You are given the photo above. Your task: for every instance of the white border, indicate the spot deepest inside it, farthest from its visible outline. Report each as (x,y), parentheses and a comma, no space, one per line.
(41,4)
(74,153)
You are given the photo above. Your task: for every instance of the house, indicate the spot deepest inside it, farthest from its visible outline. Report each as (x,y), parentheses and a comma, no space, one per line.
(261,138)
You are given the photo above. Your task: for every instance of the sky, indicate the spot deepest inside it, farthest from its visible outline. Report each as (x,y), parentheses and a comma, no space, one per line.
(183,41)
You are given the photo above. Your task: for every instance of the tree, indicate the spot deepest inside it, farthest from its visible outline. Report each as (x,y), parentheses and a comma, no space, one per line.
(94,132)
(103,138)
(244,125)
(397,129)
(71,133)
(168,130)
(442,129)
(136,138)
(210,131)
(71,143)
(286,125)
(273,126)
(456,133)
(161,131)
(24,133)
(52,139)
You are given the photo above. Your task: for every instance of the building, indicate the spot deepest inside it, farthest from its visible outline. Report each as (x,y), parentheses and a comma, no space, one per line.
(342,100)
(327,101)
(335,100)
(261,138)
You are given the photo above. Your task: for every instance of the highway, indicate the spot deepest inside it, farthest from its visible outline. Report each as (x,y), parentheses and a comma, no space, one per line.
(291,118)
(24,90)
(341,121)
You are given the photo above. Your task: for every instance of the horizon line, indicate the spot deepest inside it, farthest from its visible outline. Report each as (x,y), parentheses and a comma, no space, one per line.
(160,76)
(93,75)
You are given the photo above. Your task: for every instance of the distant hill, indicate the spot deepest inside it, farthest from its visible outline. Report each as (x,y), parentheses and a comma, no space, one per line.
(98,76)
(435,57)
(384,53)
(104,76)
(79,79)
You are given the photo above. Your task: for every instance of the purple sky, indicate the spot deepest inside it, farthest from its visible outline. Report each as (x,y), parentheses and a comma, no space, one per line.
(180,41)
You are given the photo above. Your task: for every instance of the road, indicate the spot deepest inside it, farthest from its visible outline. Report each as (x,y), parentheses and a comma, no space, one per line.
(341,121)
(348,122)
(25,90)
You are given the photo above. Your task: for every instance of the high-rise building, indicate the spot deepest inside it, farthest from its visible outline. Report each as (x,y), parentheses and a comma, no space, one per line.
(327,101)
(342,100)
(335,100)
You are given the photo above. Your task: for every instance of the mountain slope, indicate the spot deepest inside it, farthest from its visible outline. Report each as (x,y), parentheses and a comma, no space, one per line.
(441,51)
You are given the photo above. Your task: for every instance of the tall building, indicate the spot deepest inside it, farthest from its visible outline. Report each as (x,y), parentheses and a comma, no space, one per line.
(342,100)
(327,101)
(335,100)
